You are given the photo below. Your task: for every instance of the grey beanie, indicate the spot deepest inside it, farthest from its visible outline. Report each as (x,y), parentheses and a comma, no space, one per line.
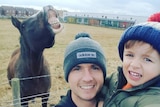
(83,50)
(148,32)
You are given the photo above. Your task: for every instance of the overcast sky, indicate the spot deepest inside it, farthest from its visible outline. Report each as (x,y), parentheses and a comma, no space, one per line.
(123,7)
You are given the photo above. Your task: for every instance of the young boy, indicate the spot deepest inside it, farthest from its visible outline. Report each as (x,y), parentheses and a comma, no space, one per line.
(85,71)
(138,81)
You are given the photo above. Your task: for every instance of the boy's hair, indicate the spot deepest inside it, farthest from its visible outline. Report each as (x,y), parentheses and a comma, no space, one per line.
(83,50)
(131,43)
(148,32)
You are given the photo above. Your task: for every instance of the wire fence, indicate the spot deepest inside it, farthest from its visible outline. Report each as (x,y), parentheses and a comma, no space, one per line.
(35,102)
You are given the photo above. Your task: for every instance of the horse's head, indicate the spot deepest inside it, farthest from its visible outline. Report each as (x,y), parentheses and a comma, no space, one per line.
(38,31)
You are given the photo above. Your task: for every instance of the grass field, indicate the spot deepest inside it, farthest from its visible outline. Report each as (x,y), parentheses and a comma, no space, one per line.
(9,40)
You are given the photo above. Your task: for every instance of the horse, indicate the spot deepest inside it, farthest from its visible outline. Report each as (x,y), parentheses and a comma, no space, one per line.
(37,33)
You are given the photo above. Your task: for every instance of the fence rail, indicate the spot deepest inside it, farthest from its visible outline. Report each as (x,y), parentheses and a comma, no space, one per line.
(15,102)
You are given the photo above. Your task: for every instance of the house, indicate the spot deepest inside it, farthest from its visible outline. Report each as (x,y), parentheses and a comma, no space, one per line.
(16,11)
(102,22)
(30,11)
(7,10)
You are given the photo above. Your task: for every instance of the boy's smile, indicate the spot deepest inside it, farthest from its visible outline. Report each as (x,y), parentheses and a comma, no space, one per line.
(135,76)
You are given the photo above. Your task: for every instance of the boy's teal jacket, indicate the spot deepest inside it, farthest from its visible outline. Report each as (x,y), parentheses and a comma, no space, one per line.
(145,95)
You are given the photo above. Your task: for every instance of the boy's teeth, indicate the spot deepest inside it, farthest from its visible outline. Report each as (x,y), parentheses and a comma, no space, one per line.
(135,74)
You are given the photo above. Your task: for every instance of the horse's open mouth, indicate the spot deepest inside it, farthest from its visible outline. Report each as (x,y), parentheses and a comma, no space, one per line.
(53,20)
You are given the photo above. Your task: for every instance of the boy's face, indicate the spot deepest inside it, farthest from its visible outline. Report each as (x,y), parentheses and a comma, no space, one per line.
(85,81)
(141,63)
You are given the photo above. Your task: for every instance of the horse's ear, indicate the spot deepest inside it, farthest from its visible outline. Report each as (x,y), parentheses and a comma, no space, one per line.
(15,22)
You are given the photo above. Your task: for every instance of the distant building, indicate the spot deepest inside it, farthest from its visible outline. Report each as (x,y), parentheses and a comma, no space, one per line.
(93,19)
(30,11)
(7,10)
(22,11)
(0,11)
(16,11)
(102,22)
(136,19)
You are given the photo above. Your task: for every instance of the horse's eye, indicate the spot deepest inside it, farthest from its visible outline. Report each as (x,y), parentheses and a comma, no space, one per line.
(23,26)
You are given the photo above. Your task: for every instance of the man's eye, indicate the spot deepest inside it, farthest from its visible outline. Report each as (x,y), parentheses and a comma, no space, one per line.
(95,67)
(76,68)
(129,55)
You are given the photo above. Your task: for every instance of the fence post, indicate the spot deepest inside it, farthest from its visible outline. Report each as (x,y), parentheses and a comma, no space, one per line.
(16,92)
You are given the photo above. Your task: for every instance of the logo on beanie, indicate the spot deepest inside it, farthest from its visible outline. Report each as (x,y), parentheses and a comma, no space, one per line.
(86,55)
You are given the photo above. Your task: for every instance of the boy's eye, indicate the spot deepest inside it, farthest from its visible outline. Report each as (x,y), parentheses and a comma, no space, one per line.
(147,59)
